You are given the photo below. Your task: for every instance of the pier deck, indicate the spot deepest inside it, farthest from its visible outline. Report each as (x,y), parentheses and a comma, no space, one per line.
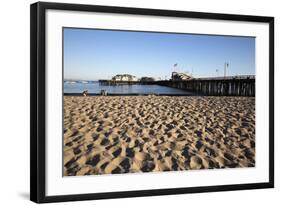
(117,82)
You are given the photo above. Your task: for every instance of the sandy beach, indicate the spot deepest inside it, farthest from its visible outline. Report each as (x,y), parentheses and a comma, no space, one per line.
(108,135)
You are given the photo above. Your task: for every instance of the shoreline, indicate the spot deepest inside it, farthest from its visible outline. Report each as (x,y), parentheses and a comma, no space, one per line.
(130,94)
(152,94)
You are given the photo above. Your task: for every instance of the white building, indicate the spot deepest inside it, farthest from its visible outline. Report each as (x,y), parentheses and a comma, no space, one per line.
(181,76)
(124,77)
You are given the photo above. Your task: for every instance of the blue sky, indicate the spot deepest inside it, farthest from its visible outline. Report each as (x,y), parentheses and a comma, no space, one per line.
(91,54)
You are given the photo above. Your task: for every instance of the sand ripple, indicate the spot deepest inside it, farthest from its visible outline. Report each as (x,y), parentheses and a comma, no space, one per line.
(108,135)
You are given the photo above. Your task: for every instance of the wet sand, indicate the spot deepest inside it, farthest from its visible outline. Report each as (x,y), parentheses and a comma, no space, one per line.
(112,135)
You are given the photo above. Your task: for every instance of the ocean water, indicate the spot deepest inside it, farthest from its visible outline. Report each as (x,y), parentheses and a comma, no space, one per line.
(95,88)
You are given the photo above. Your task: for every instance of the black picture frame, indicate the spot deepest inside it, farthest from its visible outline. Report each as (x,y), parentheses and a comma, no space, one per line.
(38,101)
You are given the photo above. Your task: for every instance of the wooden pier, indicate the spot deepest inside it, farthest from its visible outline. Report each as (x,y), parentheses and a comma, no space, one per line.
(118,82)
(220,86)
(229,86)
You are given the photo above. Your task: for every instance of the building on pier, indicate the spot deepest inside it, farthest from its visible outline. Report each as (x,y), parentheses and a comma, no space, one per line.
(124,77)
(180,76)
